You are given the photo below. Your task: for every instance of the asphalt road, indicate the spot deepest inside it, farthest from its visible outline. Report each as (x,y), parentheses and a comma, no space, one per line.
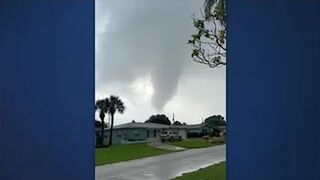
(162,167)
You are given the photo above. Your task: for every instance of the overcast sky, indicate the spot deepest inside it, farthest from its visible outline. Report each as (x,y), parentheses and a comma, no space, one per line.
(142,56)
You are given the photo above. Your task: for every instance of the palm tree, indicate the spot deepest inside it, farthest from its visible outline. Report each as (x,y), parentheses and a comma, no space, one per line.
(115,105)
(102,106)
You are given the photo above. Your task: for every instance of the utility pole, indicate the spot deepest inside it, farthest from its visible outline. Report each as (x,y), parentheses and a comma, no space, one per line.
(173,118)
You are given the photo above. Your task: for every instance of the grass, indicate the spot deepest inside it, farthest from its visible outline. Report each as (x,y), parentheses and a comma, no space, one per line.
(214,172)
(194,143)
(117,153)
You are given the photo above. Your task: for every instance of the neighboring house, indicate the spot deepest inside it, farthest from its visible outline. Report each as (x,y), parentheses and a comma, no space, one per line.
(181,129)
(198,130)
(134,132)
(195,130)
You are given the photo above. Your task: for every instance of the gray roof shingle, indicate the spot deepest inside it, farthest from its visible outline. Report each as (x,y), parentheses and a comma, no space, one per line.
(155,126)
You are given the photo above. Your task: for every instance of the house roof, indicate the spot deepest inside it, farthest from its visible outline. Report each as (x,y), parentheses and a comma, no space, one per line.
(155,126)
(191,126)
(140,125)
(195,126)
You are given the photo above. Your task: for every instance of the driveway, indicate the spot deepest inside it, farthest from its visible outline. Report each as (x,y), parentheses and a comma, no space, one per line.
(166,146)
(162,167)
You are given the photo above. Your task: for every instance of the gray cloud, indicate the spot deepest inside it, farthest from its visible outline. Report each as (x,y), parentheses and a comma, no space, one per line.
(143,42)
(138,38)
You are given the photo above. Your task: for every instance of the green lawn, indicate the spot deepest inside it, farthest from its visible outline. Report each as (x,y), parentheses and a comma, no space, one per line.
(194,143)
(117,153)
(214,172)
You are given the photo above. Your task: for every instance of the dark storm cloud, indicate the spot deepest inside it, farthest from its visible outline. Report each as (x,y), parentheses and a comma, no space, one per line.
(142,38)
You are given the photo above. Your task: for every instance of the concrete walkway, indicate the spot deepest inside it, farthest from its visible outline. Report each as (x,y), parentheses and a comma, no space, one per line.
(162,167)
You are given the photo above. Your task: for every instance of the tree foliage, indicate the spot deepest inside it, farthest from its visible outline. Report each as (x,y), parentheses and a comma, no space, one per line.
(102,106)
(209,41)
(109,106)
(98,124)
(177,123)
(116,105)
(159,118)
(215,121)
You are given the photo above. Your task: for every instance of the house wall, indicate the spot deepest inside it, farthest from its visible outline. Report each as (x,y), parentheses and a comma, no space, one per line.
(153,134)
(195,130)
(121,136)
(115,138)
(127,135)
(182,132)
(135,134)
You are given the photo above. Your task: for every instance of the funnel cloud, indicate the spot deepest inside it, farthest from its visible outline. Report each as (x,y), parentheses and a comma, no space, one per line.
(142,56)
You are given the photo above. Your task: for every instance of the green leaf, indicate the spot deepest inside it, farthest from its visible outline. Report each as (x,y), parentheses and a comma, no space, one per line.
(195,52)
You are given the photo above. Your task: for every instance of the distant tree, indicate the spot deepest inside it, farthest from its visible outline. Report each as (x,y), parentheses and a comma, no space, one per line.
(177,123)
(184,123)
(215,121)
(159,118)
(102,106)
(115,105)
(209,41)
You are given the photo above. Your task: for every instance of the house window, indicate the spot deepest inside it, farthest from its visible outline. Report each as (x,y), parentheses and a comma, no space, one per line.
(154,133)
(135,133)
(119,134)
(147,133)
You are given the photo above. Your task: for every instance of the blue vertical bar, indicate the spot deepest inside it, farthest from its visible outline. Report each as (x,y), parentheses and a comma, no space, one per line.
(273,99)
(47,90)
